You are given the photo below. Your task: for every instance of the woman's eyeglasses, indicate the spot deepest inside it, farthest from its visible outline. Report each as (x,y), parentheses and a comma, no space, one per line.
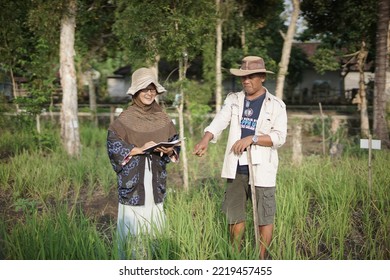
(146,90)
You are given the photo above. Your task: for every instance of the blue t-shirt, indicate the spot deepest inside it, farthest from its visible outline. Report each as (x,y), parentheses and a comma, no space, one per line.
(250,115)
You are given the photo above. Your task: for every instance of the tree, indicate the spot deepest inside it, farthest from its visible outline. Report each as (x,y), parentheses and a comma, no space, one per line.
(249,29)
(218,58)
(183,42)
(381,64)
(43,21)
(95,43)
(16,38)
(361,99)
(177,35)
(31,46)
(347,27)
(288,39)
(69,120)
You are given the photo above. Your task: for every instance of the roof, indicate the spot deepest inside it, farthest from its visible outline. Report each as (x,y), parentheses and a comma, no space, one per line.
(123,71)
(309,48)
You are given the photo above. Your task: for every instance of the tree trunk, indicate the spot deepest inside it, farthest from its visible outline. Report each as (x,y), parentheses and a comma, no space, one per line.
(297,143)
(364,123)
(154,67)
(286,51)
(69,120)
(244,46)
(380,127)
(387,87)
(218,60)
(180,109)
(15,90)
(92,97)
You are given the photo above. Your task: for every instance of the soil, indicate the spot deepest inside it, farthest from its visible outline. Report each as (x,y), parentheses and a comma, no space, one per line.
(102,207)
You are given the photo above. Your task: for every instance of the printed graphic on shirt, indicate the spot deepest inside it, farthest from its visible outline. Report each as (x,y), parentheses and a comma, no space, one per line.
(250,115)
(248,123)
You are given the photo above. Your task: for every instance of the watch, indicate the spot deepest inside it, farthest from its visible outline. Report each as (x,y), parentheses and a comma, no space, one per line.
(255,138)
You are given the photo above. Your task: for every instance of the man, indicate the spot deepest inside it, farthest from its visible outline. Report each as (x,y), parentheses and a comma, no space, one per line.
(257,119)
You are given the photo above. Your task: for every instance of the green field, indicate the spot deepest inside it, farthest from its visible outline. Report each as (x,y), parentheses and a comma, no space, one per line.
(56,207)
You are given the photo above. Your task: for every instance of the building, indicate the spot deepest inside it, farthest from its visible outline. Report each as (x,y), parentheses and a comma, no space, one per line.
(118,84)
(332,87)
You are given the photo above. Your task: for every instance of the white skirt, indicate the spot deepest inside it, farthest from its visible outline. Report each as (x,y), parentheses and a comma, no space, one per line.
(148,218)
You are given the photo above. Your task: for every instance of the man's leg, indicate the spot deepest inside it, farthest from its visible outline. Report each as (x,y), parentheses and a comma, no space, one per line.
(234,204)
(236,234)
(266,204)
(265,239)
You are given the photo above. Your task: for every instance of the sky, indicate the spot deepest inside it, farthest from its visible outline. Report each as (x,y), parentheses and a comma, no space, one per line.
(301,25)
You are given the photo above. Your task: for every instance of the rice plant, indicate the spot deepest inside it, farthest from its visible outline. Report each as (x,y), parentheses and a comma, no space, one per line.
(325,209)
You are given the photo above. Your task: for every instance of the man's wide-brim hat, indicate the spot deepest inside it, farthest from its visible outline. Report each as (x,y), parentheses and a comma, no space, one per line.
(250,65)
(143,77)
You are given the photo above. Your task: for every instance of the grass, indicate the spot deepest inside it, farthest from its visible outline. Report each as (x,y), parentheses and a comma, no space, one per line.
(56,235)
(334,214)
(324,207)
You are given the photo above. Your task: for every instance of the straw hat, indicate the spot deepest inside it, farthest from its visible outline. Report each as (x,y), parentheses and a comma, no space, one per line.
(143,77)
(250,65)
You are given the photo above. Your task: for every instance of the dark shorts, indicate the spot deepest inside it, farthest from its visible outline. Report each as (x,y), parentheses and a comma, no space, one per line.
(238,192)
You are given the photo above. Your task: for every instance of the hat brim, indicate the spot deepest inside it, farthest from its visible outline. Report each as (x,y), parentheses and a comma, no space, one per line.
(241,73)
(133,90)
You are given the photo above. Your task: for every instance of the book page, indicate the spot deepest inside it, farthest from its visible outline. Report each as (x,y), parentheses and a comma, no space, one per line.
(162,144)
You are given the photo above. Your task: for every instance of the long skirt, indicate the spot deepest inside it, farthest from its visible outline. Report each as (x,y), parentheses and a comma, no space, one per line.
(136,221)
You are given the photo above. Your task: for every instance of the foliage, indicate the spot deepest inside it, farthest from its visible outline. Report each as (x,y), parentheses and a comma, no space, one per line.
(208,63)
(34,103)
(259,21)
(169,28)
(199,97)
(28,138)
(325,60)
(16,36)
(94,38)
(95,43)
(298,62)
(178,27)
(31,48)
(197,93)
(342,24)
(44,20)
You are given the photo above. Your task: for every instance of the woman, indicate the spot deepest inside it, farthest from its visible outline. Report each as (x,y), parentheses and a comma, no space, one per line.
(141,176)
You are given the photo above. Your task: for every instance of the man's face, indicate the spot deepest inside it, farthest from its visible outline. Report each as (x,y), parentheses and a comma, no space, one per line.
(253,83)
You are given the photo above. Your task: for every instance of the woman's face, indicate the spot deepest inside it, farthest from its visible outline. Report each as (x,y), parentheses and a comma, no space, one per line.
(148,94)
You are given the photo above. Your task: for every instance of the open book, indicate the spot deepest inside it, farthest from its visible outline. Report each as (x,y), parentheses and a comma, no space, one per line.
(162,144)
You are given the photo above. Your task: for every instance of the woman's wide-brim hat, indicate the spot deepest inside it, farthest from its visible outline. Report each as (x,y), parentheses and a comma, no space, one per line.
(250,65)
(143,77)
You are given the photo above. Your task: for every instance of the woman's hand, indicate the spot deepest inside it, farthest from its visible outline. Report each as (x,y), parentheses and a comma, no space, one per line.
(148,144)
(164,150)
(140,151)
